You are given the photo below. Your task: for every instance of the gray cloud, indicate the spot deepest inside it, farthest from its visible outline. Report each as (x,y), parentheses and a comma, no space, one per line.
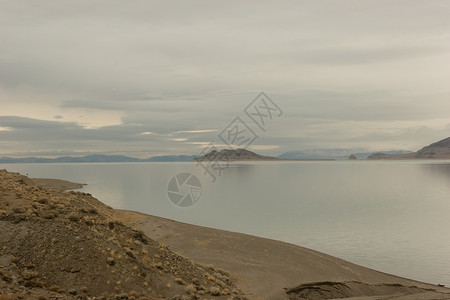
(39,136)
(352,72)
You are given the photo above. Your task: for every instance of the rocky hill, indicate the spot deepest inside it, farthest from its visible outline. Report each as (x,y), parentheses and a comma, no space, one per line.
(233,155)
(438,150)
(68,245)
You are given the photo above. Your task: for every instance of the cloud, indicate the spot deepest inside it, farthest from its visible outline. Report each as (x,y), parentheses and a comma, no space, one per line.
(263,147)
(27,135)
(353,55)
(20,123)
(196,131)
(95,75)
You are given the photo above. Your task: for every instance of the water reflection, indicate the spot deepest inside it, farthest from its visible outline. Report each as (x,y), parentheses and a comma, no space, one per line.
(439,169)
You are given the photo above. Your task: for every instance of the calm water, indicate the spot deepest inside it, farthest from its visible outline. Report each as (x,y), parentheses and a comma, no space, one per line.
(390,216)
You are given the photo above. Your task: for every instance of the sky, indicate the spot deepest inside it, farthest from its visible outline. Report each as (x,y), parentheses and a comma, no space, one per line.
(145,78)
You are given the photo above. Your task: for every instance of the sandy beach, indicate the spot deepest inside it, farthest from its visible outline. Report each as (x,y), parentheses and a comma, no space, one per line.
(121,254)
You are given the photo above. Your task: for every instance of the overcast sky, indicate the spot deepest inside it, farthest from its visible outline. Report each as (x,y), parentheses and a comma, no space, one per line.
(146,78)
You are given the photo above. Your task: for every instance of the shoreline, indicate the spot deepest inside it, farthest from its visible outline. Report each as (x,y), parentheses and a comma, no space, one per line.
(58,184)
(264,268)
(268,268)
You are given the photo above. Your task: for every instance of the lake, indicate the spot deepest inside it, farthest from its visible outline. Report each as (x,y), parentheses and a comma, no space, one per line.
(391,216)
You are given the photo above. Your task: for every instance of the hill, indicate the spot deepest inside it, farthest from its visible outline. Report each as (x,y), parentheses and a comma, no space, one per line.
(438,150)
(68,245)
(233,155)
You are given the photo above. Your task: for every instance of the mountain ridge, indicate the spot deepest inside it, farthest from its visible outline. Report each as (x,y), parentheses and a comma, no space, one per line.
(93,158)
(334,154)
(437,150)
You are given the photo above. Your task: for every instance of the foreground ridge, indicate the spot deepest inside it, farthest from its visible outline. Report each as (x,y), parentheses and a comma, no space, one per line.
(68,245)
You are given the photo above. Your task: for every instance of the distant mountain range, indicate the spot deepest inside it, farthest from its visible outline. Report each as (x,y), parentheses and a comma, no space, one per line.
(240,154)
(438,150)
(98,158)
(333,154)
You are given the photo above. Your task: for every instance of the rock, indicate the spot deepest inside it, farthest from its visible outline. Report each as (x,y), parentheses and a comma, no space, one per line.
(130,254)
(215,291)
(72,292)
(111,225)
(111,261)
(18,210)
(190,289)
(75,217)
(47,214)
